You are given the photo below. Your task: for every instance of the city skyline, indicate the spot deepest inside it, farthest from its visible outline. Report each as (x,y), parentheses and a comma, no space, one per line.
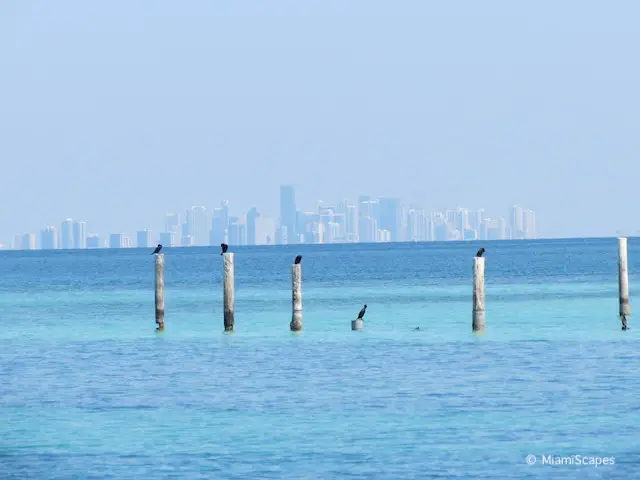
(363,220)
(117,114)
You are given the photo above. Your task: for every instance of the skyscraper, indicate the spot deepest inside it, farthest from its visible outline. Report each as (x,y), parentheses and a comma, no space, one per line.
(351,223)
(368,229)
(29,241)
(168,239)
(117,240)
(143,239)
(49,238)
(288,212)
(237,232)
(66,234)
(219,225)
(198,225)
(93,241)
(172,224)
(80,235)
(252,220)
(390,220)
(515,222)
(529,221)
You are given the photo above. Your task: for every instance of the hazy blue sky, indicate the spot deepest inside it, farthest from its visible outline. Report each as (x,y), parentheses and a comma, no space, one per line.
(115,112)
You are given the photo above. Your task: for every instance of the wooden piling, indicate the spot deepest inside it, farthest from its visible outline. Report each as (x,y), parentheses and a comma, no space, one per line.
(296,293)
(623,281)
(159,291)
(229,296)
(357,324)
(478,293)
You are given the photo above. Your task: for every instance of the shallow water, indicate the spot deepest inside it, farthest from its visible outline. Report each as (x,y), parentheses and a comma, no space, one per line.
(88,389)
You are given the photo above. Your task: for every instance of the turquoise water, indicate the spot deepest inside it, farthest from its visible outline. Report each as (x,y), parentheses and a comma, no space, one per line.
(88,389)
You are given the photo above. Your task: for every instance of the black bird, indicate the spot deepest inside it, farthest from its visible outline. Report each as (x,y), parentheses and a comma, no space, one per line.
(362,312)
(225,247)
(417,328)
(157,250)
(298,259)
(480,252)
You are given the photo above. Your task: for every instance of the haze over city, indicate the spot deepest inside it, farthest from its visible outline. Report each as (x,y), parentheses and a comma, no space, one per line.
(368,220)
(118,113)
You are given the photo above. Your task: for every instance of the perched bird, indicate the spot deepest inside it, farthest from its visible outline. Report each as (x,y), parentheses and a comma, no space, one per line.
(480,252)
(157,250)
(362,312)
(225,247)
(298,259)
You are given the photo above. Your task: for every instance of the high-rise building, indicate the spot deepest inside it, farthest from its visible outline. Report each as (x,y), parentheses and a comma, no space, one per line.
(29,241)
(350,213)
(237,232)
(476,218)
(431,227)
(49,238)
(368,229)
(288,210)
(220,224)
(462,219)
(80,235)
(93,241)
(66,234)
(252,224)
(168,239)
(117,240)
(172,224)
(416,225)
(502,229)
(516,222)
(390,218)
(143,239)
(197,225)
(529,221)
(368,208)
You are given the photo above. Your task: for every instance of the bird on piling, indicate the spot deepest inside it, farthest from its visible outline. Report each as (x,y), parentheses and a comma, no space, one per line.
(480,252)
(298,259)
(224,247)
(157,250)
(362,312)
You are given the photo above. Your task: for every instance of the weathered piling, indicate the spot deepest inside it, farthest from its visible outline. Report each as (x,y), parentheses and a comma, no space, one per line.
(296,301)
(357,324)
(623,281)
(478,293)
(229,297)
(159,290)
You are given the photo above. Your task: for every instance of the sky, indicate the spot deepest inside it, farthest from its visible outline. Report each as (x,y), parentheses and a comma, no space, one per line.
(117,112)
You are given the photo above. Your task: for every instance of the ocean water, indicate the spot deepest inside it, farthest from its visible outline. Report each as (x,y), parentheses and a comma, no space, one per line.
(89,389)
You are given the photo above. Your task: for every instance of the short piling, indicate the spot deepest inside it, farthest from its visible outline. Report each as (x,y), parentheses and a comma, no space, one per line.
(623,281)
(296,292)
(229,296)
(478,293)
(357,324)
(159,291)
